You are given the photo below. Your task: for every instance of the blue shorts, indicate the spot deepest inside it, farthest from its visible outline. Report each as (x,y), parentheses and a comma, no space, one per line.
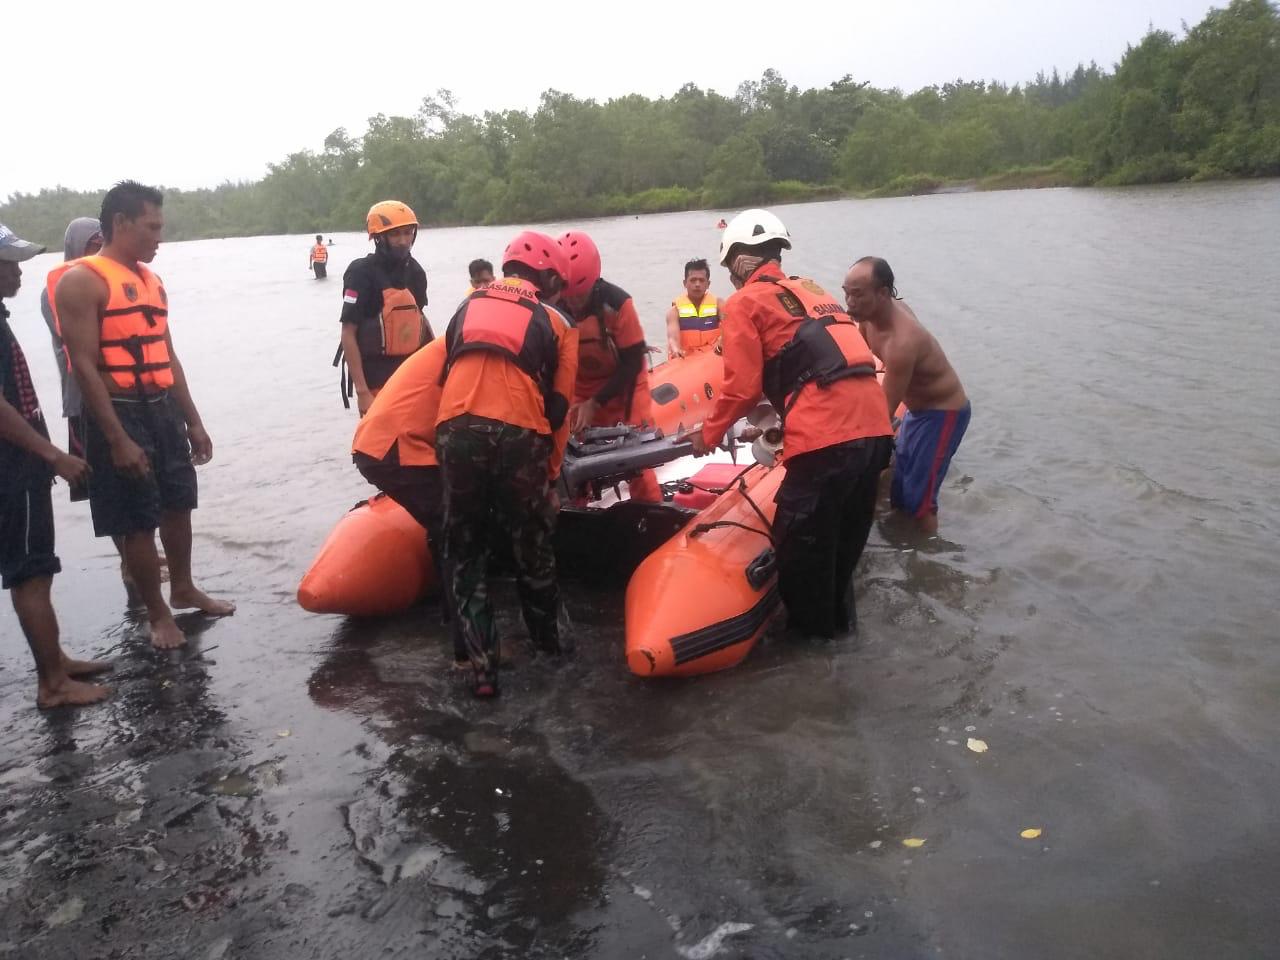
(926,443)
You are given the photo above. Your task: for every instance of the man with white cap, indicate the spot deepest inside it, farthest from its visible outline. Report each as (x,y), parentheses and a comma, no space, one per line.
(28,463)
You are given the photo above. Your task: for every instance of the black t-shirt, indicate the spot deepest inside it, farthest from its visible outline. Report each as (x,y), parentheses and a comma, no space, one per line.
(362,287)
(16,463)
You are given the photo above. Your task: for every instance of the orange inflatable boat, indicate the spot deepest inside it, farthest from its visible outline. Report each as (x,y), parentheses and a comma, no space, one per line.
(375,561)
(684,389)
(700,601)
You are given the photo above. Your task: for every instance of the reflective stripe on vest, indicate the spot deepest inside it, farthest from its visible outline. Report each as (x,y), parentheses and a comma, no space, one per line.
(133,349)
(826,346)
(319,253)
(703,316)
(505,317)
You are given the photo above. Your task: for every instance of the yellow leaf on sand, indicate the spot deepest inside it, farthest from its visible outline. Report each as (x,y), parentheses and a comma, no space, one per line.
(913,842)
(977,746)
(1030,833)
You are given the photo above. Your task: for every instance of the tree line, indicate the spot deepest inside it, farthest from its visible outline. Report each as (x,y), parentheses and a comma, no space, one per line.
(1203,105)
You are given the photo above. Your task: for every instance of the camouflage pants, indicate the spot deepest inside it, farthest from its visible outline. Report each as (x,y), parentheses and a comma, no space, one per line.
(495,484)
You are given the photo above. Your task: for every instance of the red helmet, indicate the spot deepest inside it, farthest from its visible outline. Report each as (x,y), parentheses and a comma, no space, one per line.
(536,251)
(583,263)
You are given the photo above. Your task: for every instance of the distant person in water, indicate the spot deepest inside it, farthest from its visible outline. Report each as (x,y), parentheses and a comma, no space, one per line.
(918,375)
(481,273)
(83,238)
(330,241)
(721,224)
(693,322)
(319,258)
(383,296)
(143,434)
(28,463)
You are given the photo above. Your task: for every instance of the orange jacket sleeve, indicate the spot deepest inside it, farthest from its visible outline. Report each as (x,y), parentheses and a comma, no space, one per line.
(566,375)
(627,331)
(743,369)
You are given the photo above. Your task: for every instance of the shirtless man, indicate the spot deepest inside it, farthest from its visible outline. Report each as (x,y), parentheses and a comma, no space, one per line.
(917,375)
(143,433)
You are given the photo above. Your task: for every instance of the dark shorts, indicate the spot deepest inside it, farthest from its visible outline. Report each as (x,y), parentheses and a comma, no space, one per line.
(123,505)
(320,270)
(26,530)
(926,443)
(75,447)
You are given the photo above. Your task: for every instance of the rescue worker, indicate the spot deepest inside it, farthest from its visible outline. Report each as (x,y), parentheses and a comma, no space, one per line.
(693,322)
(480,272)
(511,361)
(918,375)
(319,258)
(787,338)
(383,296)
(613,378)
(394,449)
(143,433)
(28,463)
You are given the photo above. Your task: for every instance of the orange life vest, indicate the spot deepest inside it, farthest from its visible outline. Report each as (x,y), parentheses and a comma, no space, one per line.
(51,285)
(319,253)
(699,323)
(826,346)
(597,348)
(505,317)
(131,337)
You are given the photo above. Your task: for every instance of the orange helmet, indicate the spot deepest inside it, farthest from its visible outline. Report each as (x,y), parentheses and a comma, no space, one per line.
(389,214)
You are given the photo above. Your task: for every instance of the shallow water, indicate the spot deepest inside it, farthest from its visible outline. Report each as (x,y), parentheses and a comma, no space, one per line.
(1099,611)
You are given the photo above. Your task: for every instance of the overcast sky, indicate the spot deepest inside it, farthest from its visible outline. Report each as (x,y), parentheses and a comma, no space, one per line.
(189,95)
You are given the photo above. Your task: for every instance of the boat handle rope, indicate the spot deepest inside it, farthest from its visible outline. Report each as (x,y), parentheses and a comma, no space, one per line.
(742,489)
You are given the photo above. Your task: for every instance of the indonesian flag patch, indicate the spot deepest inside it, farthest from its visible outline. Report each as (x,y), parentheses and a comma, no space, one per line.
(349,296)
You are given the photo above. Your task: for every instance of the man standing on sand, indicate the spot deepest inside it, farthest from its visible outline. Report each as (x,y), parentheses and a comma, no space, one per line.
(917,374)
(143,432)
(28,462)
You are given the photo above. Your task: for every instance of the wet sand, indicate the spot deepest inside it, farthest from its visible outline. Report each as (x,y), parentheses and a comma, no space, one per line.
(1099,613)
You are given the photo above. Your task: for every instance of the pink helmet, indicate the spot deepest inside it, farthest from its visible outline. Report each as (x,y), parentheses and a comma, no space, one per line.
(583,263)
(538,252)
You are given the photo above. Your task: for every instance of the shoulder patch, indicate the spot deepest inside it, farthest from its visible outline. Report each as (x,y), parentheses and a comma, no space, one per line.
(349,296)
(791,304)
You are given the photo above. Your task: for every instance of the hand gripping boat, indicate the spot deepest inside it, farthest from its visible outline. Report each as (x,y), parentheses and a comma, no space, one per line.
(700,602)
(375,561)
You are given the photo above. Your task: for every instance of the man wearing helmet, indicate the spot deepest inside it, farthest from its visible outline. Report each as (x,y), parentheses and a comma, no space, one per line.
(613,381)
(383,296)
(787,338)
(511,362)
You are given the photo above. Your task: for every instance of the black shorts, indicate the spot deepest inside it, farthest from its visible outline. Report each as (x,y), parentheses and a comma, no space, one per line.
(123,505)
(319,268)
(26,529)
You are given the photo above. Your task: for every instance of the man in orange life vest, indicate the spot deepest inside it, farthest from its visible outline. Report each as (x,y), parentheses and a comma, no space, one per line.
(383,296)
(613,381)
(143,432)
(394,449)
(787,338)
(510,369)
(319,258)
(693,322)
(28,463)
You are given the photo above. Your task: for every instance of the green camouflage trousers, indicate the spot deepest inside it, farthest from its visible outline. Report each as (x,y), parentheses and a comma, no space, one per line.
(495,485)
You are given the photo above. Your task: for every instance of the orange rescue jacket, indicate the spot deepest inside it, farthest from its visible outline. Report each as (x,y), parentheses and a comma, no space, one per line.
(134,351)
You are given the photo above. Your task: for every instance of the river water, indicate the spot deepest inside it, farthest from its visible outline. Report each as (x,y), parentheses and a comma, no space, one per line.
(1100,611)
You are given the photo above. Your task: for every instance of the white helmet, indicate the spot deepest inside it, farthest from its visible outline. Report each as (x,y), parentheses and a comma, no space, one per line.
(750,228)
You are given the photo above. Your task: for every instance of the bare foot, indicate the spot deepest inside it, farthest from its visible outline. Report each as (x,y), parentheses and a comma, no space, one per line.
(199,600)
(85,668)
(165,634)
(70,693)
